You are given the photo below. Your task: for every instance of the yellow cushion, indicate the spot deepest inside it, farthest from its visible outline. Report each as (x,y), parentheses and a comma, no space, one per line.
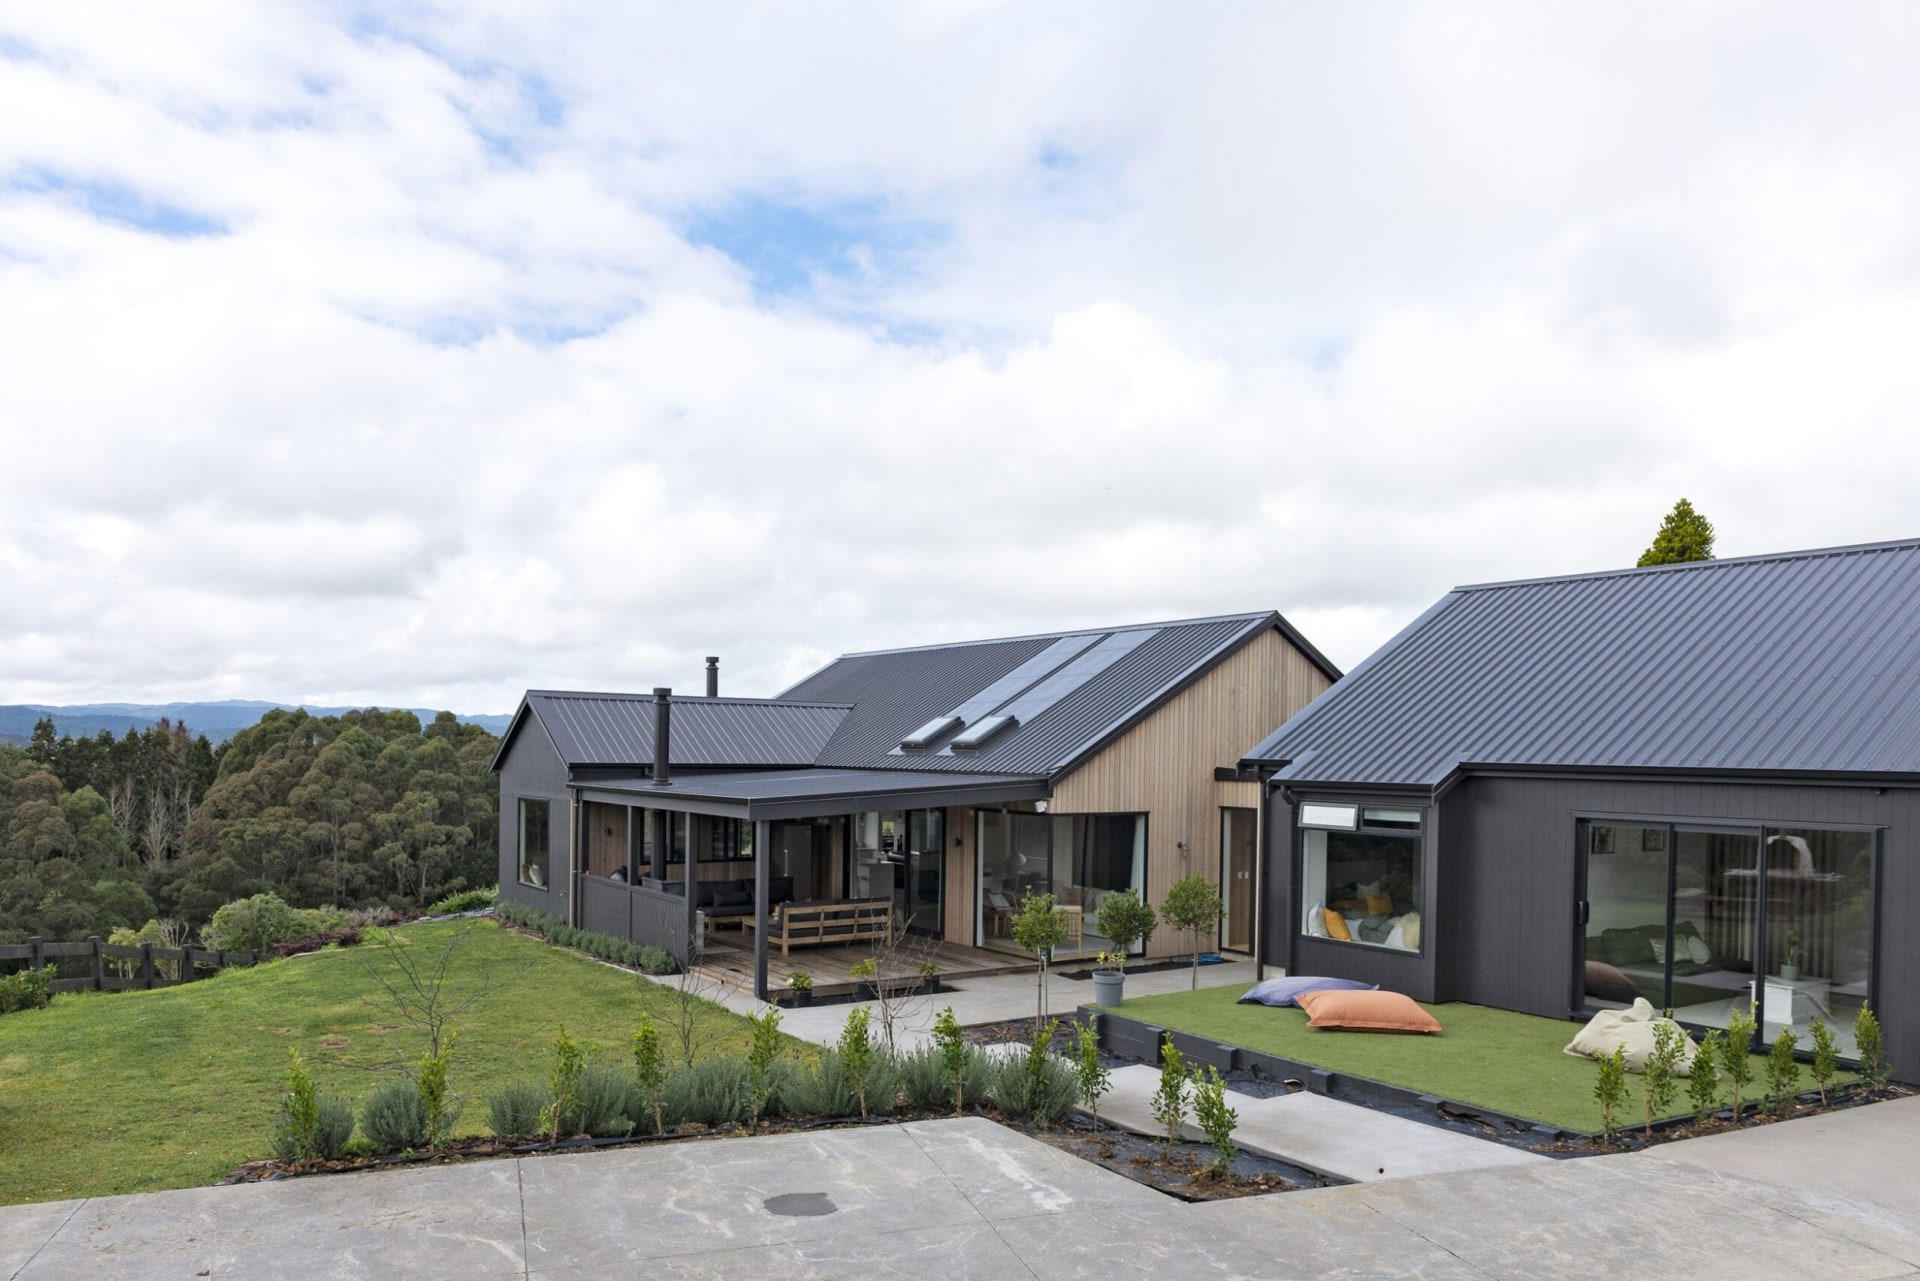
(1365,1012)
(1337,926)
(1378,904)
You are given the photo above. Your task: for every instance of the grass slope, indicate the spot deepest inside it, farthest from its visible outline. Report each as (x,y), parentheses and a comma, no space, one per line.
(130,1092)
(1492,1058)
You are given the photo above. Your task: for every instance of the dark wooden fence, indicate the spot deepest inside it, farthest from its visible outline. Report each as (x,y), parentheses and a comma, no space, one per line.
(149,967)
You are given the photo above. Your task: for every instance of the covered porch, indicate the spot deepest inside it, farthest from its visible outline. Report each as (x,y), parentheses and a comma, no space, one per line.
(752,876)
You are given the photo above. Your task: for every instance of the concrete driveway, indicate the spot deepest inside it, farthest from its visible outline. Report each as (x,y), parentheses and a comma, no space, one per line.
(966,1198)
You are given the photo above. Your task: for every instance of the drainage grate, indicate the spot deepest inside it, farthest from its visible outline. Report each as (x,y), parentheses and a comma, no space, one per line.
(809,1205)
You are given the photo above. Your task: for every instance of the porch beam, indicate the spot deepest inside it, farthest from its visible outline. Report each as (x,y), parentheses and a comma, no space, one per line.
(762,856)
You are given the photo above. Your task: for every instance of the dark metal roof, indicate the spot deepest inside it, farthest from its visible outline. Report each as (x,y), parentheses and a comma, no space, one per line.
(616,730)
(1090,687)
(1800,663)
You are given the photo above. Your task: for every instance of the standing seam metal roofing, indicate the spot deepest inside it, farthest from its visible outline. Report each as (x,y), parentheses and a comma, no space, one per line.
(1803,662)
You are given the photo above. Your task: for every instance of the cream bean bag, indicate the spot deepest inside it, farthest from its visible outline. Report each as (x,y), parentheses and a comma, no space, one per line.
(1632,1030)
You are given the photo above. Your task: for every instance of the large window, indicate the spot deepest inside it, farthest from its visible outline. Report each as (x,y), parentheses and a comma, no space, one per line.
(1705,919)
(1080,859)
(1360,875)
(534,842)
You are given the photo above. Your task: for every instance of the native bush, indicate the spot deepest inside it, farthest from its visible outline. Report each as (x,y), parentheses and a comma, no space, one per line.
(438,1105)
(1736,1055)
(256,924)
(1659,1080)
(857,1055)
(1610,1087)
(563,1085)
(1826,1057)
(392,1118)
(1214,1117)
(514,1112)
(649,1070)
(26,990)
(1703,1087)
(762,1054)
(1091,1075)
(1170,1097)
(1782,1072)
(1870,1048)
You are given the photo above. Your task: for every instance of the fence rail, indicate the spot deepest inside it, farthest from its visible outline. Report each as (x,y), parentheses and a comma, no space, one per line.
(157,966)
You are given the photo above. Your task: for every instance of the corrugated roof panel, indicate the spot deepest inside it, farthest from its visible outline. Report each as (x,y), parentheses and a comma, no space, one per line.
(1803,662)
(608,730)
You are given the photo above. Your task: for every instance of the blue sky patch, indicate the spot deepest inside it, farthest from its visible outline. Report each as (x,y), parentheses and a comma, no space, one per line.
(790,247)
(118,203)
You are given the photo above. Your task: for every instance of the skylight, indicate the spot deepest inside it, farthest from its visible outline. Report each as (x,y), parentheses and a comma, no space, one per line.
(982,730)
(933,729)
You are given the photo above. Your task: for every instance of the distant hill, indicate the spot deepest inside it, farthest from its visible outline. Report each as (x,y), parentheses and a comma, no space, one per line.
(219,721)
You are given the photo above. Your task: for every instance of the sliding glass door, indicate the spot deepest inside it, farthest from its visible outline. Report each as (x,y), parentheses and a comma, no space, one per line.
(1703,919)
(1080,859)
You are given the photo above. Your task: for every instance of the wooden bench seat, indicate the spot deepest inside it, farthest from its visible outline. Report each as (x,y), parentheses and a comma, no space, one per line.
(800,924)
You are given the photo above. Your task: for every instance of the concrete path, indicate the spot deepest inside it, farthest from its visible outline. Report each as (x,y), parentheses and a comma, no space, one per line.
(996,999)
(1320,1134)
(966,1199)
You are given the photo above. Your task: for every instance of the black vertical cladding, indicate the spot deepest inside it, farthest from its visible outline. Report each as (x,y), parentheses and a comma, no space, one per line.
(533,770)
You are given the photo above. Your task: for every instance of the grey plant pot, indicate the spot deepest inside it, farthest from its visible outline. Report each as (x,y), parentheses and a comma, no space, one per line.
(1108,986)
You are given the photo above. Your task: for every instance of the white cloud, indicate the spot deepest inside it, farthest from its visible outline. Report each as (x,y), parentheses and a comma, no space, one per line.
(363,356)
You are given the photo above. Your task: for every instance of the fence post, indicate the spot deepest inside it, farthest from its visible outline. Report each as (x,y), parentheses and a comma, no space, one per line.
(146,966)
(34,958)
(187,973)
(96,968)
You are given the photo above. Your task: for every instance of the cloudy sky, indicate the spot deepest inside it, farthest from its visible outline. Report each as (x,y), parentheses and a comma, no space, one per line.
(420,354)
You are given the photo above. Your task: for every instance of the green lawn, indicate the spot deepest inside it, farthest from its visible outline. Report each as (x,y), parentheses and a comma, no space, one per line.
(129,1092)
(1491,1058)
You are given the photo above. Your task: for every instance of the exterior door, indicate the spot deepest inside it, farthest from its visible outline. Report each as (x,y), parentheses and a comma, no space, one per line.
(1237,858)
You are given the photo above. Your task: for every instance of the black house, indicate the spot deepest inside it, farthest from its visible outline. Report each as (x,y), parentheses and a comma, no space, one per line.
(1696,783)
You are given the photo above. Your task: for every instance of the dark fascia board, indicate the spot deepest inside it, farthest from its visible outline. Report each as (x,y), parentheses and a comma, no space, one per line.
(1693,774)
(1177,686)
(850,801)
(636,770)
(525,710)
(520,715)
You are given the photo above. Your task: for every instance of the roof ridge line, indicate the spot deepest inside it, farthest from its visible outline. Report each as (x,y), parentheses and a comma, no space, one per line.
(1810,553)
(1061,635)
(682,698)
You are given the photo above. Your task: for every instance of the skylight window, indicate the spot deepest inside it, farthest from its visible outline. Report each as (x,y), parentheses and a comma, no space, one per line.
(933,729)
(982,730)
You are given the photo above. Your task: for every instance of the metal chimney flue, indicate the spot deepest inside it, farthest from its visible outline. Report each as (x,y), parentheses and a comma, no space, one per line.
(662,735)
(713,676)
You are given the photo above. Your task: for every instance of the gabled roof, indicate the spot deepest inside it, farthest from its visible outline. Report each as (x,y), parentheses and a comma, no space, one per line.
(616,730)
(1800,663)
(1069,693)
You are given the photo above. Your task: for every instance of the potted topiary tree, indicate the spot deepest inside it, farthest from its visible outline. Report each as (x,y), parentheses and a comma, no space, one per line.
(1194,907)
(1127,921)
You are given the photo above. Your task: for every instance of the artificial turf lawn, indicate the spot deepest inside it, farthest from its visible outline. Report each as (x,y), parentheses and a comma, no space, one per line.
(1494,1059)
(113,1092)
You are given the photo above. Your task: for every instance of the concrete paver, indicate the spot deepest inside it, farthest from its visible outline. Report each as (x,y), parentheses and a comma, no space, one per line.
(966,1198)
(1320,1134)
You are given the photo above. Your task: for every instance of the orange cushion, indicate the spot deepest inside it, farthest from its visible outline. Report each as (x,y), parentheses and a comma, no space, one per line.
(1337,926)
(1366,1012)
(1379,905)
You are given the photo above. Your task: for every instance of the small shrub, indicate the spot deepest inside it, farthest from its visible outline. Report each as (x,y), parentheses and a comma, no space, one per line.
(1042,1091)
(1610,1088)
(1215,1118)
(1170,1099)
(1871,1049)
(1659,1079)
(1703,1087)
(923,1079)
(762,1053)
(466,901)
(563,1084)
(1826,1057)
(603,1101)
(1736,1056)
(1782,1072)
(715,1090)
(344,936)
(26,990)
(1090,1071)
(649,1069)
(310,1126)
(392,1118)
(856,1055)
(515,1111)
(605,947)
(440,1108)
(800,981)
(954,1053)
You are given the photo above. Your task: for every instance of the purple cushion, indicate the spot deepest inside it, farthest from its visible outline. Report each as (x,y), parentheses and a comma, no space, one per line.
(1286,991)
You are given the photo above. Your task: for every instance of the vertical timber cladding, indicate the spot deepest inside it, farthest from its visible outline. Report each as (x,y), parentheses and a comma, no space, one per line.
(959,905)
(1510,854)
(606,838)
(1164,765)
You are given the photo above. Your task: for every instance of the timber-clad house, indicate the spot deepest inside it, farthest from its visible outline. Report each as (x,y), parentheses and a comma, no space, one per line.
(921,790)
(1696,783)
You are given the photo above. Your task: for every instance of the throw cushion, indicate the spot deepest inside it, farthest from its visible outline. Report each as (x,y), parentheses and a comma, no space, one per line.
(1374,929)
(1337,926)
(1317,922)
(1378,904)
(1659,947)
(1286,991)
(1606,983)
(1410,931)
(1366,1011)
(1629,946)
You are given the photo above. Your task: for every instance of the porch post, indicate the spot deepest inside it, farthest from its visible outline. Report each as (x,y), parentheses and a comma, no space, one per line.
(657,863)
(762,844)
(693,881)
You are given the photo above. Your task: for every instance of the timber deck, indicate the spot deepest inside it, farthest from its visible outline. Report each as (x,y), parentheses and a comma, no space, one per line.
(728,958)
